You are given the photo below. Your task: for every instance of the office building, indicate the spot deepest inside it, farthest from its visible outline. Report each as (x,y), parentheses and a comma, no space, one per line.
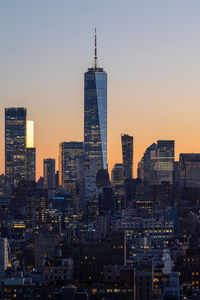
(69,152)
(157,229)
(49,173)
(127,155)
(36,211)
(189,170)
(95,114)
(157,164)
(15,144)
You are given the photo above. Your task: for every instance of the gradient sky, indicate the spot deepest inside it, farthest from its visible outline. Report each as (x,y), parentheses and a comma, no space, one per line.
(149,48)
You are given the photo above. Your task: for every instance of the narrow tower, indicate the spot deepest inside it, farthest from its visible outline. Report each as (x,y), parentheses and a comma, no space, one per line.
(95,113)
(127,155)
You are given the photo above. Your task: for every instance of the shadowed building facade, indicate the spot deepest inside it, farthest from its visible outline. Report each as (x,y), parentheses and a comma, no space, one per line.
(127,155)
(95,114)
(49,173)
(117,174)
(31,164)
(189,170)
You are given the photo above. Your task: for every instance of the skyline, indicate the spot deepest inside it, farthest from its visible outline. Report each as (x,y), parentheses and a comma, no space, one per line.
(148,91)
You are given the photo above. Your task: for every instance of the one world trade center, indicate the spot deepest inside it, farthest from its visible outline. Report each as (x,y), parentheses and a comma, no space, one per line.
(95,114)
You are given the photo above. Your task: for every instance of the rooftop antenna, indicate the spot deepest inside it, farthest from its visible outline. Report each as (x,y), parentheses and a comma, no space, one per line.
(95,50)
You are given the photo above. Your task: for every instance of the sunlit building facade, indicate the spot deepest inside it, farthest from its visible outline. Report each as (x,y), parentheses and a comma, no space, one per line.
(69,152)
(30,152)
(29,134)
(165,160)
(95,115)
(15,144)
(127,155)
(158,163)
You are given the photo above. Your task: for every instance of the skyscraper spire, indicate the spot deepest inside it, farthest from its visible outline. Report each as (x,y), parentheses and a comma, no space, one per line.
(95,50)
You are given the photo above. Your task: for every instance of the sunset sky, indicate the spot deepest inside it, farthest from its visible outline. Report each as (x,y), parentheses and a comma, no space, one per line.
(149,48)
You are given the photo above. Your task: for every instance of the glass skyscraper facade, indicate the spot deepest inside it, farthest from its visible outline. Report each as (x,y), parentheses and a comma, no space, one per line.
(15,144)
(95,115)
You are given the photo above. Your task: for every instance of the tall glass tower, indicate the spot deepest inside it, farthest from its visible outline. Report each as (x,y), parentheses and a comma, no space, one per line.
(95,114)
(15,144)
